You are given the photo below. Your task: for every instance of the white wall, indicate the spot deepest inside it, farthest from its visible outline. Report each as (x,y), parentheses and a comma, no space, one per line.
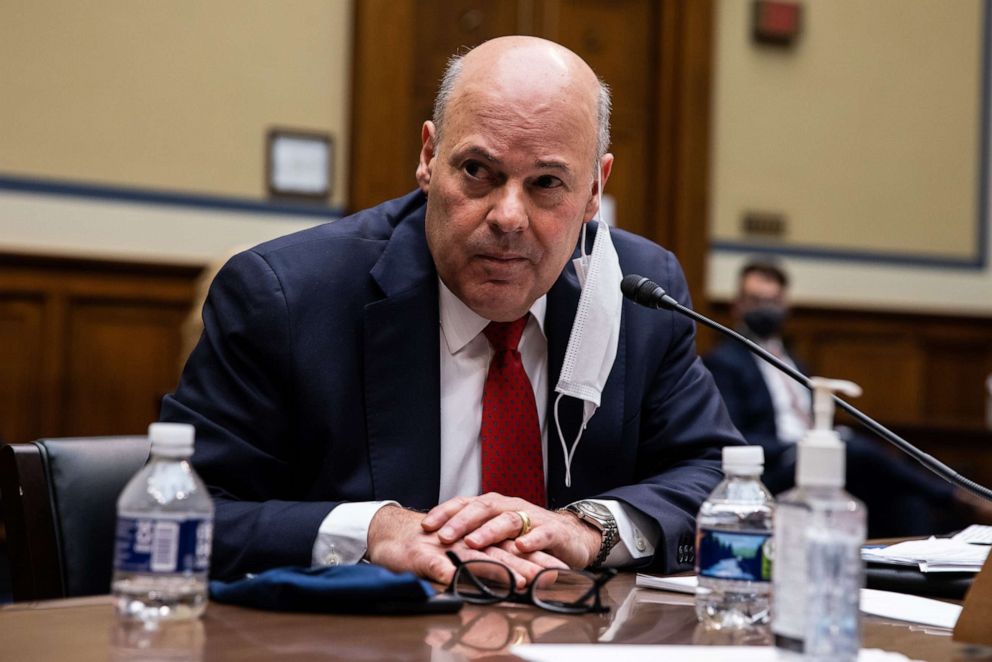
(173,97)
(858,159)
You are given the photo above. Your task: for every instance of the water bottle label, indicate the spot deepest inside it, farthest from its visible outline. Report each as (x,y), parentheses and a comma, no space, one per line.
(162,544)
(737,555)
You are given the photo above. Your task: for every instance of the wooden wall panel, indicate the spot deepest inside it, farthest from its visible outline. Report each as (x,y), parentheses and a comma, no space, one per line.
(121,360)
(923,375)
(656,56)
(383,122)
(21,381)
(888,369)
(916,370)
(401,48)
(446,27)
(591,29)
(954,380)
(87,347)
(680,176)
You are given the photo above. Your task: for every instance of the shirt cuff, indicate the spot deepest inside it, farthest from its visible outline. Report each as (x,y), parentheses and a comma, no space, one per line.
(636,533)
(343,536)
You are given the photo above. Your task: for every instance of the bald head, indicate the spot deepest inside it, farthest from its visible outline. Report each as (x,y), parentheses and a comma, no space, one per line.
(526,68)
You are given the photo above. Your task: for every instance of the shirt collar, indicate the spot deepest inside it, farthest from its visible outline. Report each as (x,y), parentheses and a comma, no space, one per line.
(460,324)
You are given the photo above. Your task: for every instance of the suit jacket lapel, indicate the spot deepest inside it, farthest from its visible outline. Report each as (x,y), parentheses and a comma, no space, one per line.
(402,374)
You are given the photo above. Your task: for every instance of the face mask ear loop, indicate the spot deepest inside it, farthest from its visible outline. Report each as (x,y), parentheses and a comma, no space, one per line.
(599,211)
(599,193)
(569,454)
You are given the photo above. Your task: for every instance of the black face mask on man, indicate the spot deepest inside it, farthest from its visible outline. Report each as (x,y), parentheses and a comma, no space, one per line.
(765,321)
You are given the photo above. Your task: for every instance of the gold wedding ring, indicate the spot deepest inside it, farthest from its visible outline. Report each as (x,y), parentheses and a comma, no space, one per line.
(524,523)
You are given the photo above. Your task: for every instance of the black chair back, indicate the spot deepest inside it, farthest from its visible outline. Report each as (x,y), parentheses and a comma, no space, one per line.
(60,498)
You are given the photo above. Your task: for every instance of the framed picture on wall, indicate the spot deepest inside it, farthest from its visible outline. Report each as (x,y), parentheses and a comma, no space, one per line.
(299,164)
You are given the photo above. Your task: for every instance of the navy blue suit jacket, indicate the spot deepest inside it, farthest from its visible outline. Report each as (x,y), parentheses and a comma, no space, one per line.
(316,381)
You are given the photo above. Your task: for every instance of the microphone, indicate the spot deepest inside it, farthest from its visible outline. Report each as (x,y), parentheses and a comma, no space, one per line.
(648,293)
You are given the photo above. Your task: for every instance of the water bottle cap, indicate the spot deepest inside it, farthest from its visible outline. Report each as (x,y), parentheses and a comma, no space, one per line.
(174,439)
(743,458)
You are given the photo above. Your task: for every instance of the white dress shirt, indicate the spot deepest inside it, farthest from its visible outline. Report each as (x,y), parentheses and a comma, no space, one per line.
(464,354)
(792,401)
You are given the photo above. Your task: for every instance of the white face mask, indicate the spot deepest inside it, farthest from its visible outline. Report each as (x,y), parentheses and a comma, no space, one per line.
(592,346)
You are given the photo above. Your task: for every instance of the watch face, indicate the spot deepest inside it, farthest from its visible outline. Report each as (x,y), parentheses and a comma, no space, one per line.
(595,509)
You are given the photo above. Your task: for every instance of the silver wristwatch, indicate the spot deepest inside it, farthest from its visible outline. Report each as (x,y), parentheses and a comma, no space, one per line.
(600,517)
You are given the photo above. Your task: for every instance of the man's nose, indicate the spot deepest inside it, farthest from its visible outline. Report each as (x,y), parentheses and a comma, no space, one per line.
(509,210)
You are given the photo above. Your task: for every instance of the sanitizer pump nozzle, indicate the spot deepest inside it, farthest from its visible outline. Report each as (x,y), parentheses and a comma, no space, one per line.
(820,459)
(823,399)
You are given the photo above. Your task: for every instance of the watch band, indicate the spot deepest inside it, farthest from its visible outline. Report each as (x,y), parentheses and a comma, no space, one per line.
(611,536)
(607,526)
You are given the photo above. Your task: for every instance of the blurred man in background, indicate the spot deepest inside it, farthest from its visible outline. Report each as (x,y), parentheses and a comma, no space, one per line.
(774,411)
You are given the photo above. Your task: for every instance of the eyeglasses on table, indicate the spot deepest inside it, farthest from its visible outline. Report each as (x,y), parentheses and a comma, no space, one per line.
(556,590)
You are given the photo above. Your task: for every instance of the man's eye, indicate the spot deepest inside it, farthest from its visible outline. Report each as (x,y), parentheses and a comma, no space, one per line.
(474,169)
(547,181)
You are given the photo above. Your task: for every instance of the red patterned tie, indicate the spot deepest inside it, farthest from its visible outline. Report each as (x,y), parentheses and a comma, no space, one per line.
(510,434)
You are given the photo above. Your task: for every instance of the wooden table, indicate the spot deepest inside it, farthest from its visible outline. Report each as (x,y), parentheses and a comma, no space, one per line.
(86,629)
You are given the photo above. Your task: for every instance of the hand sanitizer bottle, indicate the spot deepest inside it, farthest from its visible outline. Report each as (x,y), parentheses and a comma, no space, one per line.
(819,530)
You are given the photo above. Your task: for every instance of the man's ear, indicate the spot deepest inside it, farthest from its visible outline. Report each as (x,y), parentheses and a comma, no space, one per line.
(427,154)
(605,167)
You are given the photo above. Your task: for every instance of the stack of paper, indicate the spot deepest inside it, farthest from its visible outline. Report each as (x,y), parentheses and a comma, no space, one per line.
(897,606)
(976,534)
(933,555)
(675,584)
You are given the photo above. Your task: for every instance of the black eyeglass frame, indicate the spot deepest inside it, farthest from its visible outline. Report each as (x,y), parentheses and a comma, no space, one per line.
(527,597)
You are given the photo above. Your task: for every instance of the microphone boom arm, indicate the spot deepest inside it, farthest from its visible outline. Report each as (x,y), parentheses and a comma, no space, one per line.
(649,294)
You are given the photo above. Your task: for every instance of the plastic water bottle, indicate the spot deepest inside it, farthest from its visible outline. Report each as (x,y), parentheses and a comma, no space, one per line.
(819,531)
(164,532)
(733,545)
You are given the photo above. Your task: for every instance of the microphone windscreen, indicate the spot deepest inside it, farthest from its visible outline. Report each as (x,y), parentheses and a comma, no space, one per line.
(630,286)
(643,291)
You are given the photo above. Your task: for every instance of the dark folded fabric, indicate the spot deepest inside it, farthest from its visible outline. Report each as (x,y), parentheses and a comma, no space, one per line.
(352,589)
(907,579)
